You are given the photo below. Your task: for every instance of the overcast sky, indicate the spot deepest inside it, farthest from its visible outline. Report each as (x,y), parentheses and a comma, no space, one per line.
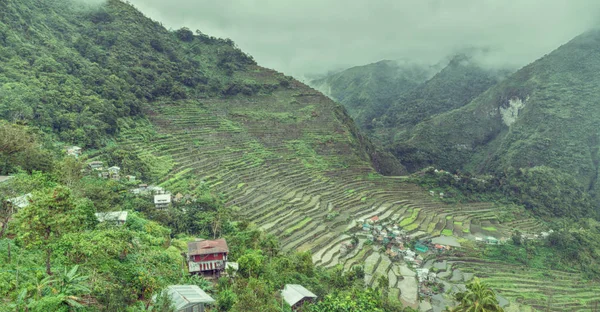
(300,37)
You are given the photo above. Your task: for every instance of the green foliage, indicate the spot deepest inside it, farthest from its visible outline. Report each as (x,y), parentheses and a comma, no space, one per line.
(19,148)
(51,214)
(88,68)
(477,298)
(549,151)
(349,301)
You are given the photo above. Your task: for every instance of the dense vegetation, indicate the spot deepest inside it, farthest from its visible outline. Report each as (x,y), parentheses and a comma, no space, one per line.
(388,99)
(542,119)
(195,114)
(55,256)
(74,69)
(367,90)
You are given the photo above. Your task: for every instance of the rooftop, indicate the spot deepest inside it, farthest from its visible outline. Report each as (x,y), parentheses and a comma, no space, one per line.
(111,216)
(163,198)
(293,293)
(5,178)
(21,201)
(204,247)
(187,296)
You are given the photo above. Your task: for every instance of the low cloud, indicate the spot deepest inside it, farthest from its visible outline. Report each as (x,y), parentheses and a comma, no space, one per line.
(313,36)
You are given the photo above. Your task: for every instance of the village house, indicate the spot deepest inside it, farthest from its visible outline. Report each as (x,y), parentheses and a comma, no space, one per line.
(145,189)
(421,248)
(130,178)
(491,240)
(74,151)
(207,257)
(296,295)
(115,217)
(373,220)
(162,201)
(113,172)
(188,298)
(95,165)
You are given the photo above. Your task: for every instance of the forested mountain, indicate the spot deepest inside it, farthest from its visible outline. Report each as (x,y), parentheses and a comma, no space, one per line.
(73,69)
(542,121)
(371,88)
(387,98)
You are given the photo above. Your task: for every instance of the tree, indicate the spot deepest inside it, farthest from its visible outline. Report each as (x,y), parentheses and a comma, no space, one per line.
(19,148)
(251,263)
(51,214)
(69,171)
(225,300)
(356,300)
(478,297)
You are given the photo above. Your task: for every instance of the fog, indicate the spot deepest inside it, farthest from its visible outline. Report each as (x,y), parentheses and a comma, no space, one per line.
(314,36)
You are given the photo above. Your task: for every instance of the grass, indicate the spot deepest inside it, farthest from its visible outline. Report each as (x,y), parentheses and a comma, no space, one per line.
(489,228)
(411,219)
(458,223)
(300,225)
(447,232)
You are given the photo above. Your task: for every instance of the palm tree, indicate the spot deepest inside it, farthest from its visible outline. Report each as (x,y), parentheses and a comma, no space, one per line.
(479,297)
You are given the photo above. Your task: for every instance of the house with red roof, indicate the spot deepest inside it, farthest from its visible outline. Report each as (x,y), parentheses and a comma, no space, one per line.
(374,219)
(207,257)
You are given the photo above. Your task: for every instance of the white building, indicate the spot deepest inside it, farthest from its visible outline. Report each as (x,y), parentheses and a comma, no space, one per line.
(162,201)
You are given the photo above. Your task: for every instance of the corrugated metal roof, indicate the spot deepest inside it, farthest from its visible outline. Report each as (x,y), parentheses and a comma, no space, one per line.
(21,201)
(204,247)
(111,216)
(293,293)
(186,296)
(5,178)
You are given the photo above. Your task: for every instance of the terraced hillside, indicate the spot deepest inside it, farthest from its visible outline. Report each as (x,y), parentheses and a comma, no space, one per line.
(543,290)
(292,167)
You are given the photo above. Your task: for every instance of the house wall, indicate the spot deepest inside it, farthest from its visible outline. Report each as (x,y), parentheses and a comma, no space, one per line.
(210,257)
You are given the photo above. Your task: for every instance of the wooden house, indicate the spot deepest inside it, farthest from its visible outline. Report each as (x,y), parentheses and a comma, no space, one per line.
(296,295)
(207,257)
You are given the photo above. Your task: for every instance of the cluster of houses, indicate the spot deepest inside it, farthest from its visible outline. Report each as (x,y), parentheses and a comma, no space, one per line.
(113,172)
(392,237)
